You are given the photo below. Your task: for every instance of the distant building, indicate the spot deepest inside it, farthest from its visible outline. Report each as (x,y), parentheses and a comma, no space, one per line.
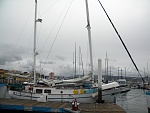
(16,72)
(51,75)
(1,71)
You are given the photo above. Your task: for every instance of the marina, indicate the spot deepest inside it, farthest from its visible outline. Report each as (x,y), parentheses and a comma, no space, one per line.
(45,78)
(128,102)
(83,89)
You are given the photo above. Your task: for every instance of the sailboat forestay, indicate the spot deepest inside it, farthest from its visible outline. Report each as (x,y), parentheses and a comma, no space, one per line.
(70,89)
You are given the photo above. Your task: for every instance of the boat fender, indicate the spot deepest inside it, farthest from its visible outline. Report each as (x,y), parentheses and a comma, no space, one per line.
(82,91)
(75,91)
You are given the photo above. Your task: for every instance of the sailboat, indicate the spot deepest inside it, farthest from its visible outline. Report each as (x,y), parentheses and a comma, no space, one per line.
(68,90)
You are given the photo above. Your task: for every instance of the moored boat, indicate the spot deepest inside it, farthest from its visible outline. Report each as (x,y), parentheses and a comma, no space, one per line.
(66,90)
(84,93)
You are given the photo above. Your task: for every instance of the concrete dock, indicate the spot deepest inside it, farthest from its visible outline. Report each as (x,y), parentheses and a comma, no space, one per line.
(59,107)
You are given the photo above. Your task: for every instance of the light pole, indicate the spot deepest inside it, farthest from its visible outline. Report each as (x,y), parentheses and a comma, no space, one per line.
(118,72)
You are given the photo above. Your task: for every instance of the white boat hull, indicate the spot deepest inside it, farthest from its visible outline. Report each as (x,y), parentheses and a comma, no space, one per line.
(82,98)
(65,95)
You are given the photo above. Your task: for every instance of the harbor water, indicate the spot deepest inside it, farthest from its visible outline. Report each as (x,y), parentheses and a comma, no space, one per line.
(133,101)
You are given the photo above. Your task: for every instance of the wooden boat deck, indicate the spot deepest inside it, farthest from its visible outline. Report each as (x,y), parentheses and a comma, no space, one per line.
(83,107)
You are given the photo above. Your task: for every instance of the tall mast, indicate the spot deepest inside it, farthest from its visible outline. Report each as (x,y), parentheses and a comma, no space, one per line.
(73,65)
(89,36)
(75,62)
(107,64)
(34,70)
(35,52)
(79,60)
(106,67)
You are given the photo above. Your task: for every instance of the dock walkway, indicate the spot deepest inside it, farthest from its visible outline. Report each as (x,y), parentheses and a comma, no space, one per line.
(59,107)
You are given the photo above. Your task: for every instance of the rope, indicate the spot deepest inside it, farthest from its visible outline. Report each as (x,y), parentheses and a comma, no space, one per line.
(13,51)
(57,34)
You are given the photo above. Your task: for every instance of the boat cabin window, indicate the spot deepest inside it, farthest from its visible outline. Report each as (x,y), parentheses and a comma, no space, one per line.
(47,91)
(38,90)
(122,82)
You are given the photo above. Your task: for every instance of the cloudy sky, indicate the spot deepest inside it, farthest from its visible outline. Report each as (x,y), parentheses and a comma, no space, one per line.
(64,24)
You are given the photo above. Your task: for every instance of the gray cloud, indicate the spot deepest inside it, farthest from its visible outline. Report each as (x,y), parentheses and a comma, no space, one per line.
(49,62)
(10,53)
(66,70)
(16,33)
(60,57)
